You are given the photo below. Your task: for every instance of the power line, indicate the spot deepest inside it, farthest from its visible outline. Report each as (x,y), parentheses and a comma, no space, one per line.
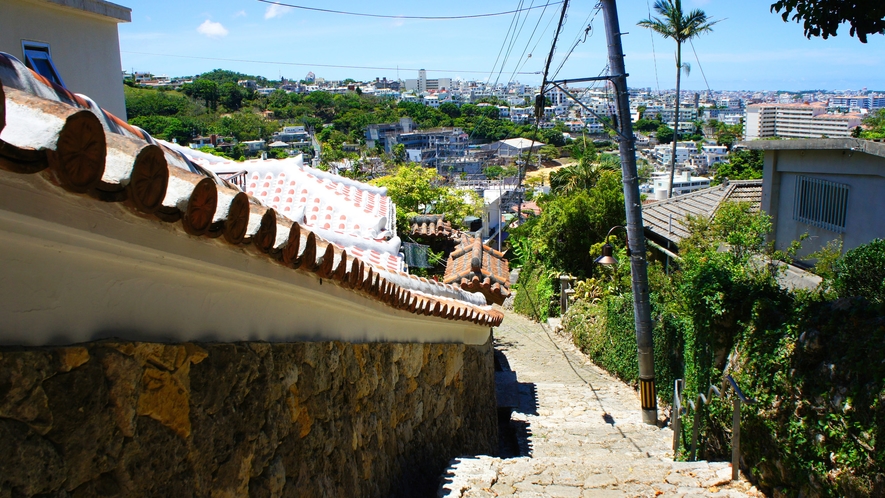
(588,31)
(382,16)
(517,67)
(282,63)
(513,23)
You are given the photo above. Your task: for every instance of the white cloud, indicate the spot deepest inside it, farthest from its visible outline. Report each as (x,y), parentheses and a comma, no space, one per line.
(241,13)
(275,10)
(212,29)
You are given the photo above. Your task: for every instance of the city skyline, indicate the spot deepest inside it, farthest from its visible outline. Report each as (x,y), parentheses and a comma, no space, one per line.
(750,49)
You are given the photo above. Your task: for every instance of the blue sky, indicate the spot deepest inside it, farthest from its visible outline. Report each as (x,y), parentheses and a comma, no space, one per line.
(750,49)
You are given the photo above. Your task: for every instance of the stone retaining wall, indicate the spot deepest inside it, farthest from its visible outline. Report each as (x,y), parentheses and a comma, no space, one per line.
(243,419)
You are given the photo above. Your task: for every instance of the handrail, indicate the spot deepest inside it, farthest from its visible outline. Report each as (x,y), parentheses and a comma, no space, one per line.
(679,410)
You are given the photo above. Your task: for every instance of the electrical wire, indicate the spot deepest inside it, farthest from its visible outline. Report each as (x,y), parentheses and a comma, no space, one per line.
(588,31)
(513,23)
(653,52)
(531,37)
(699,65)
(513,42)
(282,63)
(381,16)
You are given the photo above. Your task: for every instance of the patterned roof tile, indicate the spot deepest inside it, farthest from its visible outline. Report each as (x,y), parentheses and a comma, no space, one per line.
(476,267)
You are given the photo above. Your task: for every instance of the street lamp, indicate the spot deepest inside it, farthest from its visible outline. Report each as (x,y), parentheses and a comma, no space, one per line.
(607,258)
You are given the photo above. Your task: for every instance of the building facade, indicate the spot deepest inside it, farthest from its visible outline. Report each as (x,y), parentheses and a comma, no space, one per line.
(797,121)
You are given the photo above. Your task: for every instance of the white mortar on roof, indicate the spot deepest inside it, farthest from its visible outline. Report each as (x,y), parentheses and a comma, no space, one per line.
(118,167)
(27,127)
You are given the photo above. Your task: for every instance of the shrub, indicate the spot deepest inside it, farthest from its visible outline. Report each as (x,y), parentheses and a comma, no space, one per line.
(861,272)
(534,292)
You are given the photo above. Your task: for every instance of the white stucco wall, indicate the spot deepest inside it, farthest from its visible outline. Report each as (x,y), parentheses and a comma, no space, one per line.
(74,270)
(863,173)
(85,46)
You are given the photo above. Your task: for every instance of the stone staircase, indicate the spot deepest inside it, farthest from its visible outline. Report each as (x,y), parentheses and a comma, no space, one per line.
(578,432)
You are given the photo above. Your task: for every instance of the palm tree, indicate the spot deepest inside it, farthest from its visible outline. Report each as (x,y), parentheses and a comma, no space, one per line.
(681,28)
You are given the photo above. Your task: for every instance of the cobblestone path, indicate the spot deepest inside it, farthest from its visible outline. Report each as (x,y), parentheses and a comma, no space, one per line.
(580,434)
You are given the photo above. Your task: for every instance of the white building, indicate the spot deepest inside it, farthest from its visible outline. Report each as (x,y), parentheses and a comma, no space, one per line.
(70,43)
(683,183)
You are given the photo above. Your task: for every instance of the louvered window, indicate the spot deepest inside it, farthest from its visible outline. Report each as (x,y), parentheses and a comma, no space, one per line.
(821,203)
(39,59)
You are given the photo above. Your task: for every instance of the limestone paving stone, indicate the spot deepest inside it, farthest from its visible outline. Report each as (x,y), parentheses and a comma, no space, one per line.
(581,434)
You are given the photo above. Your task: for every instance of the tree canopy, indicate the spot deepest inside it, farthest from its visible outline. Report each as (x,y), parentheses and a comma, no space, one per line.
(823,17)
(418,190)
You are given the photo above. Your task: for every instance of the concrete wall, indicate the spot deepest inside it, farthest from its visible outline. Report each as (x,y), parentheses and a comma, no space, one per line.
(85,47)
(242,419)
(865,175)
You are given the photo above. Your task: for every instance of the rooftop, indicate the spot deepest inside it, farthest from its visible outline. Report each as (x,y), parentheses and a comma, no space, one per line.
(850,144)
(476,267)
(60,154)
(667,219)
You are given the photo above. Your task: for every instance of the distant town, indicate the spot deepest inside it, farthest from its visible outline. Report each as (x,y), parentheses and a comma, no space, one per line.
(710,121)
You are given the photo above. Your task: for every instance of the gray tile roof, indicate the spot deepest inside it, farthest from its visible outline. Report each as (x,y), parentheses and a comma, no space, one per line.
(657,217)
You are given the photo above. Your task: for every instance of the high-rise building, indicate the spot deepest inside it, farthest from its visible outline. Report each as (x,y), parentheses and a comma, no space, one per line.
(797,121)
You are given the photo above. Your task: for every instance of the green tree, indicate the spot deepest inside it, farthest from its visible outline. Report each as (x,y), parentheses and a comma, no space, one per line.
(450,109)
(741,165)
(417,190)
(549,152)
(875,126)
(204,89)
(569,225)
(169,128)
(664,134)
(679,27)
(231,96)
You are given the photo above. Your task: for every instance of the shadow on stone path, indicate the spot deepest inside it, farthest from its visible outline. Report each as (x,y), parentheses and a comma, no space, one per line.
(579,432)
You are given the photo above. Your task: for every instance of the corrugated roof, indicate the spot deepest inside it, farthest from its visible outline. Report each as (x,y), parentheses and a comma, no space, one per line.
(667,219)
(87,151)
(479,268)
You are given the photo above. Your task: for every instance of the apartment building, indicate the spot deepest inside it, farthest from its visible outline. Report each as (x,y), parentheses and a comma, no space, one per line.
(422,84)
(430,147)
(797,121)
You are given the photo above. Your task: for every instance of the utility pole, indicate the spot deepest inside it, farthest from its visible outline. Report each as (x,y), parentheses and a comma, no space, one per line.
(637,249)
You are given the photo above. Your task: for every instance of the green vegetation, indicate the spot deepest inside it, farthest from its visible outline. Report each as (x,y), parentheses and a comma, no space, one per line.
(875,124)
(823,17)
(741,165)
(805,356)
(586,201)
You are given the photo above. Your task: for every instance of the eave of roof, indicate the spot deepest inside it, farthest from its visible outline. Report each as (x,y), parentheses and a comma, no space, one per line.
(850,144)
(433,226)
(96,8)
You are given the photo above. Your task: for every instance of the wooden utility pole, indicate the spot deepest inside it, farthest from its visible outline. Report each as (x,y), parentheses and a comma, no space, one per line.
(633,205)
